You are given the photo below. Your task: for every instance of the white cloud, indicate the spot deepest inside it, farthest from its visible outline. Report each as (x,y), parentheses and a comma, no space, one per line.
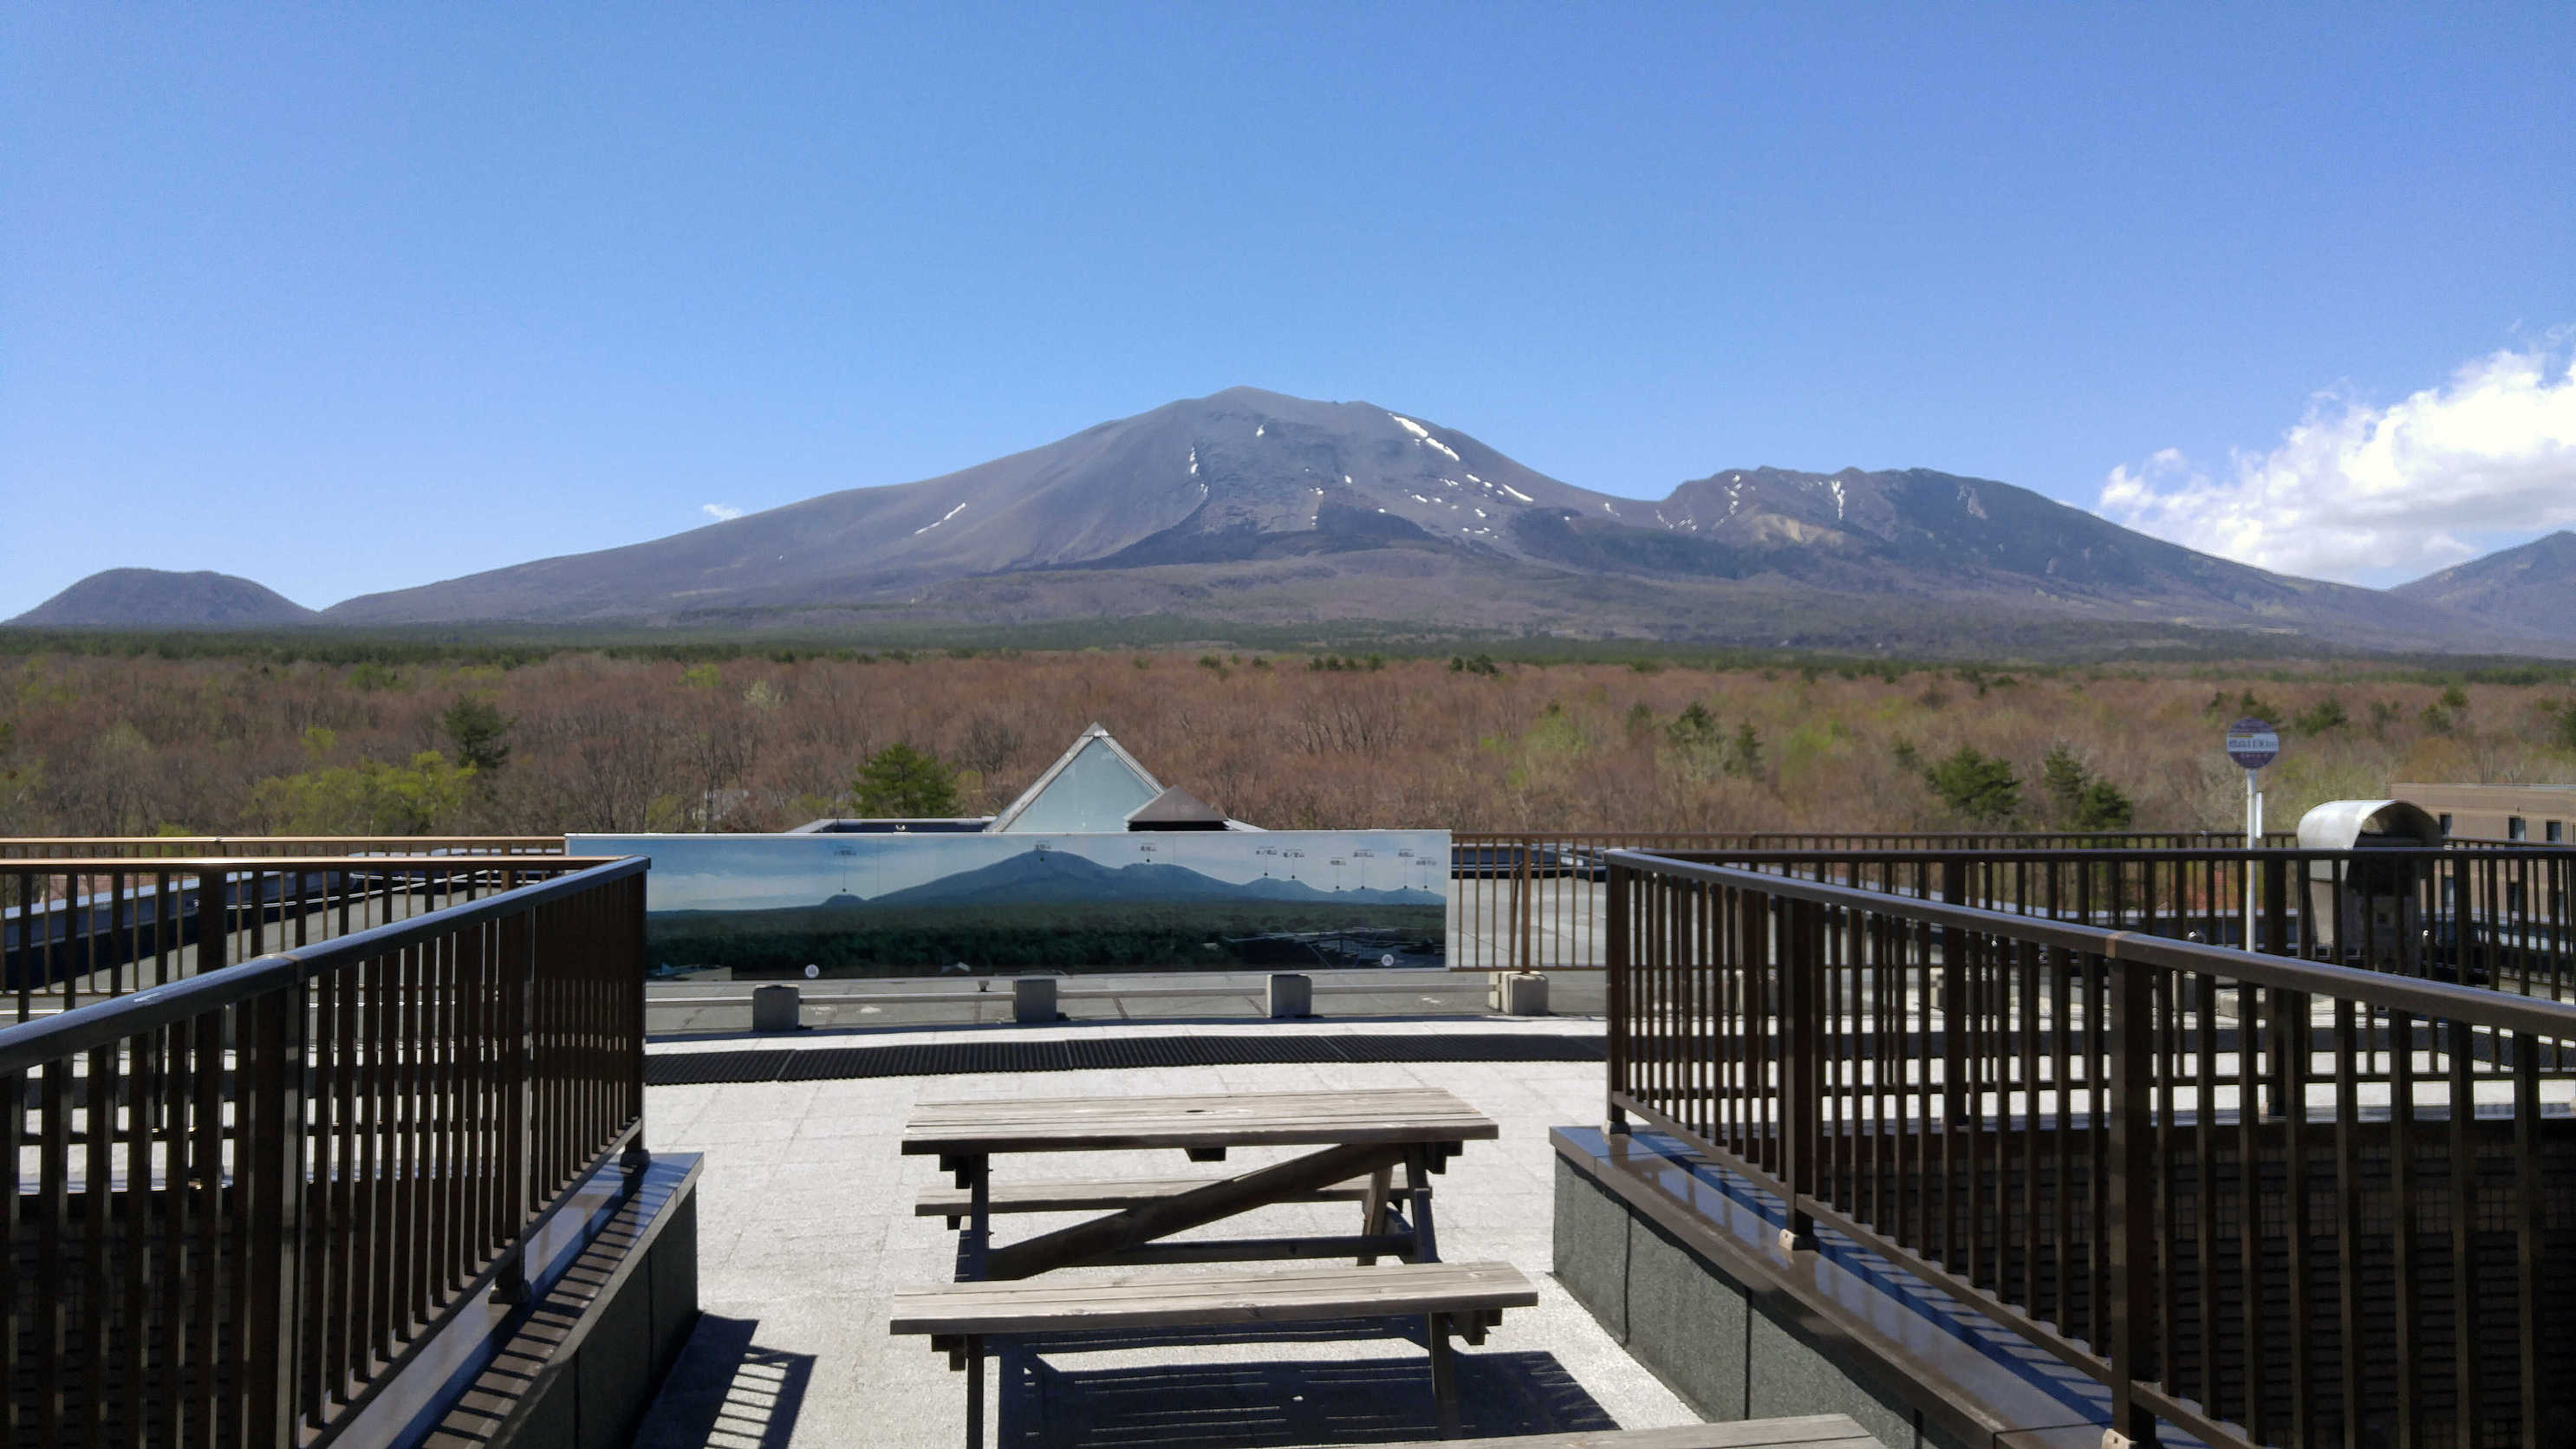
(719,511)
(2380,494)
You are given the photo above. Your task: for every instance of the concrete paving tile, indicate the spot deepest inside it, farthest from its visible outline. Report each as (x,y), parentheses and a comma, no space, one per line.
(807,1231)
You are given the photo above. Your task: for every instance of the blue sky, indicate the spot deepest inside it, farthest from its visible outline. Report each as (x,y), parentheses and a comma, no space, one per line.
(354,298)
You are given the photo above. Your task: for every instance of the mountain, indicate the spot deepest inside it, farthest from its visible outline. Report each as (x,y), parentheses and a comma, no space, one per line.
(1052,876)
(1241,477)
(159,599)
(2533,586)
(1253,508)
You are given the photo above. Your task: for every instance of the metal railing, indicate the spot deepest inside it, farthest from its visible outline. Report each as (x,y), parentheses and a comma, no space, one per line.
(1533,901)
(2487,916)
(239,1203)
(75,930)
(2268,1201)
(144,847)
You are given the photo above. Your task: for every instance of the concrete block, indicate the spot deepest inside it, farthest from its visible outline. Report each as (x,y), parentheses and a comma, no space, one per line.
(673,1268)
(614,1372)
(1688,1322)
(1033,999)
(1591,1242)
(1519,993)
(1291,995)
(775,1008)
(1787,1375)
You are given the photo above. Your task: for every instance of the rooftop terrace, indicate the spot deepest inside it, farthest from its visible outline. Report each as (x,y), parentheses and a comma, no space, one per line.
(1993,1144)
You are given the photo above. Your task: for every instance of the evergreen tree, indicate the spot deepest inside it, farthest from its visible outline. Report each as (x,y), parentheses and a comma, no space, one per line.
(480,733)
(1981,787)
(902,783)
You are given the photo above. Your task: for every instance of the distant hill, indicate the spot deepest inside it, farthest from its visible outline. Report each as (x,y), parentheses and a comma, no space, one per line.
(159,599)
(1255,508)
(2533,586)
(1039,877)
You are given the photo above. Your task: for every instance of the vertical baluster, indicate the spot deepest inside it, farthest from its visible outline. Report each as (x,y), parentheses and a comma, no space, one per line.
(142,1109)
(2292,1008)
(2348,1218)
(270,1179)
(2401,1153)
(214,1266)
(2463,1150)
(2255,1345)
(1620,889)
(98,1329)
(2530,1202)
(16,1287)
(2130,1229)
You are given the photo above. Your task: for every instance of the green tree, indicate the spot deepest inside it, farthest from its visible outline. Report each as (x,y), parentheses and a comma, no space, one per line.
(1744,753)
(1981,787)
(1693,729)
(2321,718)
(479,731)
(368,798)
(2064,779)
(902,783)
(2102,806)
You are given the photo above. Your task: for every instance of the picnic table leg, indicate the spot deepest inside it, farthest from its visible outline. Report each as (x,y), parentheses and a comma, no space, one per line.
(1417,1187)
(979,1216)
(1444,1374)
(974,1391)
(1373,1209)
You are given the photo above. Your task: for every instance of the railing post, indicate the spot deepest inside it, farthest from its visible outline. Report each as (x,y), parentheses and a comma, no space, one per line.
(2276,907)
(211,936)
(1954,1039)
(269,1098)
(627,976)
(1622,881)
(2130,1231)
(1802,1065)
(516,970)
(1521,892)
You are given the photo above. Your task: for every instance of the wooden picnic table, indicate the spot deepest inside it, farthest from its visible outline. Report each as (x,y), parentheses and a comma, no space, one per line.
(1359,1134)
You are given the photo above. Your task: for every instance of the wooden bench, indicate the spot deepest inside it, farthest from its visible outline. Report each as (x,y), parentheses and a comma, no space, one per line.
(1460,1298)
(1810,1431)
(953,1203)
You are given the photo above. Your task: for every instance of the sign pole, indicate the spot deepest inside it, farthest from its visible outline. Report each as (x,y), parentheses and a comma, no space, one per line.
(2252,744)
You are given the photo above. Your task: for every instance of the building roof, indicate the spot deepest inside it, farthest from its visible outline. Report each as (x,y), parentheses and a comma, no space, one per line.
(1095,785)
(1176,806)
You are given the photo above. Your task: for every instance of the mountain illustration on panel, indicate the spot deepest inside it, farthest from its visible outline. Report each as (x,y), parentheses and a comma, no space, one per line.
(1038,877)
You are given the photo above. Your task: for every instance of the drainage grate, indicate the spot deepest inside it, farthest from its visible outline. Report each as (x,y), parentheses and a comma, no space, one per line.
(952,1059)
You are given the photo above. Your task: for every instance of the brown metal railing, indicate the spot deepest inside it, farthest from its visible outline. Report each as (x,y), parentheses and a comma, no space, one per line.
(2268,1201)
(74,930)
(240,1202)
(104,847)
(1533,900)
(2487,916)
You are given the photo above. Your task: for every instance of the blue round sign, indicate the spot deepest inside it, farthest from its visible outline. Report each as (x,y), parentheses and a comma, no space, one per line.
(2252,744)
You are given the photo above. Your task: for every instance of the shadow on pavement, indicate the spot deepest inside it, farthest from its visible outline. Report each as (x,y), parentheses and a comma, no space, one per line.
(1366,1401)
(727,1392)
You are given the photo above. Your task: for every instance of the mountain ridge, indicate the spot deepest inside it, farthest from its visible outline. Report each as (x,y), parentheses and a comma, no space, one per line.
(2531,584)
(1257,509)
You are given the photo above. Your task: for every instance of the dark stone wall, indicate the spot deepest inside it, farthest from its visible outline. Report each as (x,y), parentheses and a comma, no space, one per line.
(1726,1344)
